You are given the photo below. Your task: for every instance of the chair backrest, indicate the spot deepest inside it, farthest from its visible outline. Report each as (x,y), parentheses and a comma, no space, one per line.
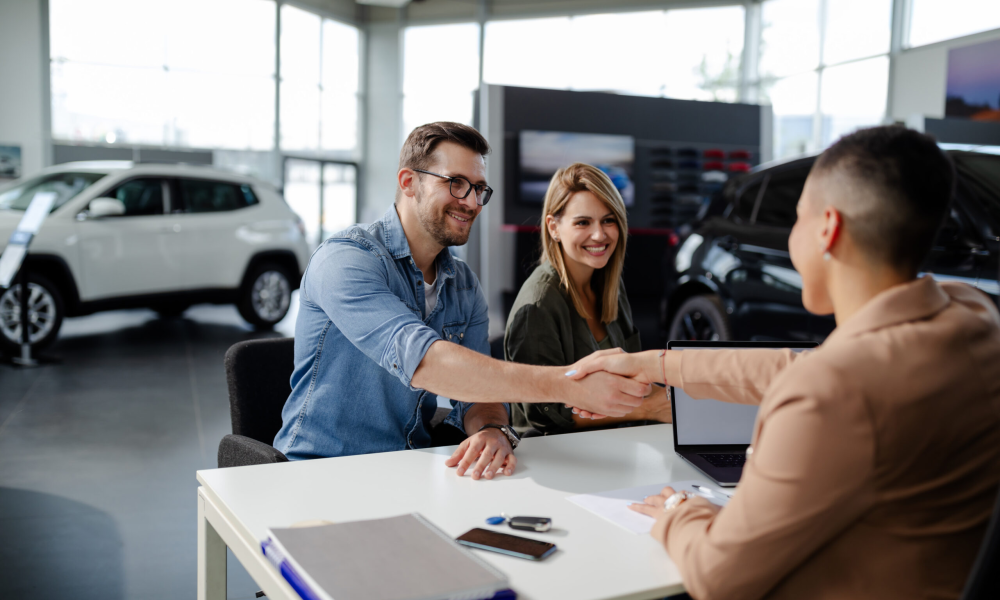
(258,373)
(984,581)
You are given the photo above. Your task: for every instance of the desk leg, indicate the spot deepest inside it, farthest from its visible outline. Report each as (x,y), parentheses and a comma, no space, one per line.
(211,559)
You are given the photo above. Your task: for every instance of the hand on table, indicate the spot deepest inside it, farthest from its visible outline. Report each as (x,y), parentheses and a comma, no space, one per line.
(486,453)
(652,506)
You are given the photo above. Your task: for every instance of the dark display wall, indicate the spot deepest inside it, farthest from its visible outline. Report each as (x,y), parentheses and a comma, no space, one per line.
(677,142)
(684,151)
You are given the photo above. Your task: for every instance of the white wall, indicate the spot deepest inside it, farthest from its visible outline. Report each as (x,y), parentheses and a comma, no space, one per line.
(920,76)
(24,81)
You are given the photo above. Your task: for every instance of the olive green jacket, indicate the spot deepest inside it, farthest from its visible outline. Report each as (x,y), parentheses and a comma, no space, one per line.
(544,329)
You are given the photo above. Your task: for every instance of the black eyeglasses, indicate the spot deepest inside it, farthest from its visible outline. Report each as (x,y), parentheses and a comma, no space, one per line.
(460,188)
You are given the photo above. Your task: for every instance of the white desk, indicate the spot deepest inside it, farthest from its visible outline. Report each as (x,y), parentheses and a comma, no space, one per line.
(596,559)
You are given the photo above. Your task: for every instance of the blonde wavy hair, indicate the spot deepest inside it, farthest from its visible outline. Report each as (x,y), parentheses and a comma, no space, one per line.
(580,177)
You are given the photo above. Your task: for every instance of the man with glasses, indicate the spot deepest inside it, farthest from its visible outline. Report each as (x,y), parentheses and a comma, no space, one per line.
(389,320)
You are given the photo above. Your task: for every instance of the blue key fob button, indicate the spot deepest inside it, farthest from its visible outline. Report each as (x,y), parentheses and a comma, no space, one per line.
(496,520)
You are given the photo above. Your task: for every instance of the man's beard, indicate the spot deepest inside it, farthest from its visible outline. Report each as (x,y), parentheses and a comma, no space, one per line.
(437,225)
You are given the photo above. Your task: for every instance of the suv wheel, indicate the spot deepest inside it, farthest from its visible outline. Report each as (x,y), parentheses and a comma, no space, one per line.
(700,318)
(265,299)
(45,313)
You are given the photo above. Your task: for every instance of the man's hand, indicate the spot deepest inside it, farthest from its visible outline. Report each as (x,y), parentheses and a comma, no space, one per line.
(641,366)
(489,450)
(606,394)
(656,407)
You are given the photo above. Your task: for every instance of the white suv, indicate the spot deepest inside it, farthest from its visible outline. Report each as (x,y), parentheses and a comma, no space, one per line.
(124,235)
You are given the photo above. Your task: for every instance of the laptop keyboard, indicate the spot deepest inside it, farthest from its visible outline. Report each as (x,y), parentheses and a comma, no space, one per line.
(725,460)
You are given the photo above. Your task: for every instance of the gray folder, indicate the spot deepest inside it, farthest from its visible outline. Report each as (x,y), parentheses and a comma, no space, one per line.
(398,558)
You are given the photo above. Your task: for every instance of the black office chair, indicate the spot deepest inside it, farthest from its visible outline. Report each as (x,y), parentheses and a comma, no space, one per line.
(258,373)
(984,581)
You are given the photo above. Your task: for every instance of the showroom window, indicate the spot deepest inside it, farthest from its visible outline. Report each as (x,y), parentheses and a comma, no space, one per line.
(319,82)
(689,54)
(938,20)
(188,77)
(440,74)
(824,68)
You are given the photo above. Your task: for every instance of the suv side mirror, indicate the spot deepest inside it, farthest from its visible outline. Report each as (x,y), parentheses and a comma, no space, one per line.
(106,207)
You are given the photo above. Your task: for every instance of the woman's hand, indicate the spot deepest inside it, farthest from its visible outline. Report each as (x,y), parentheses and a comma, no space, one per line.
(652,506)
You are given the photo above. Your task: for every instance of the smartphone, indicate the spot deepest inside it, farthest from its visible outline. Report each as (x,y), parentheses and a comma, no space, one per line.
(504,543)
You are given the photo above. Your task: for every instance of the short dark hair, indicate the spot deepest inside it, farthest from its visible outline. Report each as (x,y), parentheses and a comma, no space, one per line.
(422,141)
(902,186)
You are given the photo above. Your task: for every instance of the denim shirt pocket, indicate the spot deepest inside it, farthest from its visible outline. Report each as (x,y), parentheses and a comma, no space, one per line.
(455,332)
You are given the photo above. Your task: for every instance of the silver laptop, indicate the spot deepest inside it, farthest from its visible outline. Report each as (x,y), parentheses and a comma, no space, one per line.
(712,435)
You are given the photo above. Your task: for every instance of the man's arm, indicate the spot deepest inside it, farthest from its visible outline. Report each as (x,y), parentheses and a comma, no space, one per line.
(350,284)
(456,372)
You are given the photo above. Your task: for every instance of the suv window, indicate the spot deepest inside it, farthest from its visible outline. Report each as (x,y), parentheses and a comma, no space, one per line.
(65,185)
(141,197)
(202,195)
(777,206)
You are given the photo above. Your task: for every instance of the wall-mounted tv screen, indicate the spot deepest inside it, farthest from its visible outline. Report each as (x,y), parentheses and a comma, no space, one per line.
(545,152)
(974,82)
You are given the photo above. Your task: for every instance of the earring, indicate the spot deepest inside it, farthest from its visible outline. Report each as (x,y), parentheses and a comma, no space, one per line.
(826,255)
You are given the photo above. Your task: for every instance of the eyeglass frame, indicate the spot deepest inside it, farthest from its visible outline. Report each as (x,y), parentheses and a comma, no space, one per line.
(487,190)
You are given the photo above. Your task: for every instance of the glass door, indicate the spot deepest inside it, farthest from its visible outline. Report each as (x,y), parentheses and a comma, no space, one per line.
(323,193)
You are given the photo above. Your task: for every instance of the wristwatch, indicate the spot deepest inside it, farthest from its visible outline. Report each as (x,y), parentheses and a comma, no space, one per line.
(507,431)
(676,499)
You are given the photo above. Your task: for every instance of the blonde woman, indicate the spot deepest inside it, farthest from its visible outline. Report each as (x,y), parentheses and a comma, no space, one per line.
(574,302)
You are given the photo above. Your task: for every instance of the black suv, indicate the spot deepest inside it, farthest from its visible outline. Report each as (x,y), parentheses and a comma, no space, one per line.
(732,278)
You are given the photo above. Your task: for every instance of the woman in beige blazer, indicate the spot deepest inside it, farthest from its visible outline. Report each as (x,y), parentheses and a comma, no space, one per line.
(875,459)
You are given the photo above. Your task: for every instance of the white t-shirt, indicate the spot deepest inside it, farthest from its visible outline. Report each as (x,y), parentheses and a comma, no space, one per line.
(430,297)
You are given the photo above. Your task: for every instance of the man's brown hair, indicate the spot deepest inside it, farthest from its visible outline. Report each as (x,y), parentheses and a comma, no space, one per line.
(422,141)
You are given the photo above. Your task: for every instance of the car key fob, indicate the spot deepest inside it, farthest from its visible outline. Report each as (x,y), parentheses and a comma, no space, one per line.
(537,524)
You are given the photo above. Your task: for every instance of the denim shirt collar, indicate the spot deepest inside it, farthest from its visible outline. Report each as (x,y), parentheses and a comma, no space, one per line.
(399,247)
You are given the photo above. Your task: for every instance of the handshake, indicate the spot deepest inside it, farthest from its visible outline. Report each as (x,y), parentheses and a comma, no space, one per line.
(613,383)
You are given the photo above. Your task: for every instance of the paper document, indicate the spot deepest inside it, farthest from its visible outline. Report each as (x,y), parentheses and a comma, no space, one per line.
(613,505)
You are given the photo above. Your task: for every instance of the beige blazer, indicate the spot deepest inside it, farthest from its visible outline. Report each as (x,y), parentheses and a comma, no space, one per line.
(875,459)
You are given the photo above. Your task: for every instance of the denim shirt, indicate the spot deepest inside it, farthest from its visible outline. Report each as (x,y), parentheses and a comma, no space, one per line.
(359,337)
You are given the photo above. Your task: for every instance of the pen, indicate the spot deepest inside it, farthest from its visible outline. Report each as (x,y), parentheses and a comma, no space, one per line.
(709,491)
(286,570)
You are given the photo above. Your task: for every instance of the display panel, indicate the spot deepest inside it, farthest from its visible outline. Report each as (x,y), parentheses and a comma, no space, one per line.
(545,152)
(974,82)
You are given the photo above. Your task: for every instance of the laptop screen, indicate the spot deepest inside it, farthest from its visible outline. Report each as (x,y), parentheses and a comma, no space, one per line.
(712,422)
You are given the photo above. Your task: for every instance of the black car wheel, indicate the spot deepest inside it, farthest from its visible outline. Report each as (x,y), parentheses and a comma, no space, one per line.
(700,318)
(45,315)
(265,299)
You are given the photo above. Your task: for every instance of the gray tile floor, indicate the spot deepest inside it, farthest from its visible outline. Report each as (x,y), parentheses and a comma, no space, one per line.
(98,456)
